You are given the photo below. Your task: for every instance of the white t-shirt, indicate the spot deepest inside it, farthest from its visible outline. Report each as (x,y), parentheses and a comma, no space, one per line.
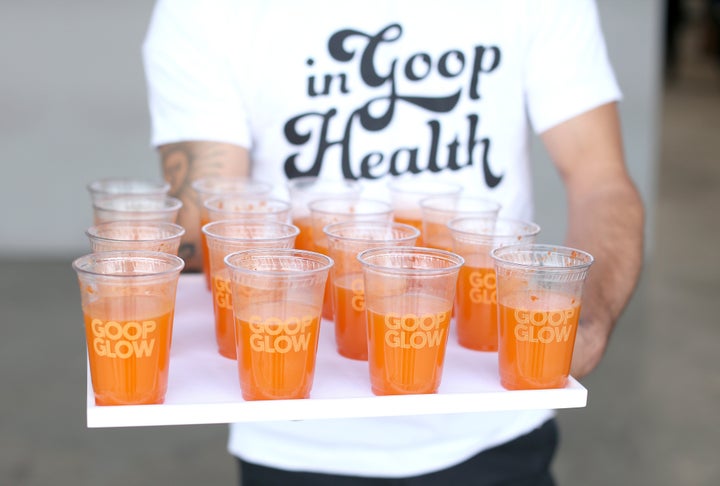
(370,91)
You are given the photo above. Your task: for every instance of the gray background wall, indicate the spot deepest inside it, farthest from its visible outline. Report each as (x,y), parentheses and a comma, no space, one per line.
(73,109)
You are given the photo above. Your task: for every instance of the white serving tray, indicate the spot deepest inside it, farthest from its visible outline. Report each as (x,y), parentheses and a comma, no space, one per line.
(203,387)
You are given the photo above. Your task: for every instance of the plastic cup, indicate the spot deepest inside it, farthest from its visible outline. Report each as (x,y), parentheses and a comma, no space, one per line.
(476,297)
(333,210)
(539,291)
(225,237)
(136,208)
(119,186)
(409,295)
(213,186)
(135,235)
(406,195)
(241,207)
(345,241)
(277,300)
(304,190)
(128,301)
(437,211)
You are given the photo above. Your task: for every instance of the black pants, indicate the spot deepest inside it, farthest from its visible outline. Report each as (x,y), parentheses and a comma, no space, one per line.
(524,461)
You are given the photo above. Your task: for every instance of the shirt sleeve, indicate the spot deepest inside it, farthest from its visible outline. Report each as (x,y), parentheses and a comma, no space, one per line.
(192,94)
(568,71)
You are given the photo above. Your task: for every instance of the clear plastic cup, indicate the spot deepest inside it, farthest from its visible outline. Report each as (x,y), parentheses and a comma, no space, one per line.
(277,301)
(437,211)
(333,210)
(539,293)
(304,190)
(257,208)
(136,208)
(345,241)
(225,237)
(406,195)
(213,186)
(135,235)
(409,295)
(476,298)
(125,186)
(128,302)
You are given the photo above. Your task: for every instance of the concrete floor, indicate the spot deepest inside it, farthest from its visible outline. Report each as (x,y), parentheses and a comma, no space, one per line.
(652,417)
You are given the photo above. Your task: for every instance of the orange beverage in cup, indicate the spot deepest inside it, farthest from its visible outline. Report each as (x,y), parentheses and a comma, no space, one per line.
(437,211)
(279,349)
(345,241)
(128,350)
(406,195)
(476,308)
(225,237)
(539,291)
(407,350)
(409,293)
(128,301)
(350,319)
(303,191)
(537,335)
(473,238)
(277,301)
(335,210)
(136,235)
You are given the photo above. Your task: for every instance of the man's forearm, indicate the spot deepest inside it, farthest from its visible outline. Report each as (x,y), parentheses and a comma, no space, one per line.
(185,162)
(608,223)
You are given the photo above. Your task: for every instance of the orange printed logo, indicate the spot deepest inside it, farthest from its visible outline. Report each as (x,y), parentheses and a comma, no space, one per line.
(273,335)
(412,331)
(123,340)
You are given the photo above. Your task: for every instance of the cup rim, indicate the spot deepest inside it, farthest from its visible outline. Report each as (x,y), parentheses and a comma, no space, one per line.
(176,263)
(470,234)
(350,183)
(407,186)
(325,261)
(386,206)
(380,224)
(207,228)
(178,231)
(264,187)
(456,260)
(170,204)
(284,205)
(574,253)
(494,206)
(96,187)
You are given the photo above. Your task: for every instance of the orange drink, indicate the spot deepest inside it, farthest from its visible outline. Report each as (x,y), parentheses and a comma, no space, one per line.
(437,211)
(128,301)
(345,240)
(278,351)
(539,291)
(337,209)
(128,352)
(537,335)
(476,308)
(225,237)
(277,301)
(406,194)
(409,293)
(473,237)
(407,350)
(304,241)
